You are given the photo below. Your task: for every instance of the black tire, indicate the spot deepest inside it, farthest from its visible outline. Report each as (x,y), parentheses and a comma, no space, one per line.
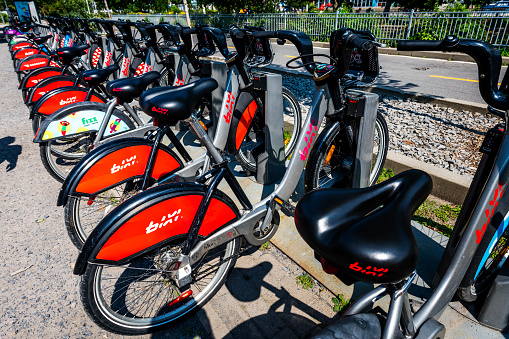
(328,165)
(256,134)
(156,290)
(82,214)
(59,156)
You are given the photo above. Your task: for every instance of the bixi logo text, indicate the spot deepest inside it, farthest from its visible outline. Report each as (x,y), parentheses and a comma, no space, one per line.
(125,163)
(173,217)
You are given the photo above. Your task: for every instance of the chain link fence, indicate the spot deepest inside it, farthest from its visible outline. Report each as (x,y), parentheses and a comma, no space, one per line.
(491,27)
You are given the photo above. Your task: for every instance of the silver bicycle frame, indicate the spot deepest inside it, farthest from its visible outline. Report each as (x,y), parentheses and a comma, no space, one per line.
(188,173)
(139,132)
(321,105)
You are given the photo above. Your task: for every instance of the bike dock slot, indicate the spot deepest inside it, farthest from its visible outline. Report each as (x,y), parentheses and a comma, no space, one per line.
(270,162)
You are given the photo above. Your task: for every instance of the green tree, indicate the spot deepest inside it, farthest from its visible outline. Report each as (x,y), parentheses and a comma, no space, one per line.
(295,4)
(428,5)
(229,6)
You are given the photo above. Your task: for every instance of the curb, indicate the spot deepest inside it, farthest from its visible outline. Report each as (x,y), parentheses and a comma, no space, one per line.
(447,185)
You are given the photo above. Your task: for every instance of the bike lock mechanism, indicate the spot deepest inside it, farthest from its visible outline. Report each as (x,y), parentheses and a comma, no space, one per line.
(270,163)
(363,106)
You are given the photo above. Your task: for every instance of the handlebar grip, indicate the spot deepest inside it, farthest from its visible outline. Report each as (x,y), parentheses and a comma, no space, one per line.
(265,34)
(354,40)
(236,33)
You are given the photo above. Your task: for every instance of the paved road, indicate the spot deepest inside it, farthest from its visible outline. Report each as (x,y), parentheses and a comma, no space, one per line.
(441,78)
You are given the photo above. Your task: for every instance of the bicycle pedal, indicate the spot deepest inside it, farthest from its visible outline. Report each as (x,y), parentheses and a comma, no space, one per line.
(288,208)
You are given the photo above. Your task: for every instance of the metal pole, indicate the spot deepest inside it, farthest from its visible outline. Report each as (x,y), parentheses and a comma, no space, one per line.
(186,9)
(336,22)
(409,24)
(107,9)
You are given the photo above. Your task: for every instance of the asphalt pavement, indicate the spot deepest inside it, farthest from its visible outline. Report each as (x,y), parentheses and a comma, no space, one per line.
(439,78)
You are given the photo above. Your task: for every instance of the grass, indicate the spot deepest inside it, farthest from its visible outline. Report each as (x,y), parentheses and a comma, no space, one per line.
(305,281)
(287,136)
(386,174)
(432,214)
(341,304)
(265,246)
(437,216)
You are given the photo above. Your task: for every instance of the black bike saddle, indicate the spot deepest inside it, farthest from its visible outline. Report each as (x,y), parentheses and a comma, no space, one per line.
(365,233)
(95,77)
(129,88)
(42,39)
(176,103)
(67,54)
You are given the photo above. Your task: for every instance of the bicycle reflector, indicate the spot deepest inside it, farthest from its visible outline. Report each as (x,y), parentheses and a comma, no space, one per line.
(181,298)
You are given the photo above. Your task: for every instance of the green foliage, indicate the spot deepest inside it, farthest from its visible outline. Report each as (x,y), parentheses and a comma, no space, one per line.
(387,173)
(230,6)
(446,212)
(429,5)
(440,218)
(456,7)
(295,4)
(265,246)
(341,304)
(347,9)
(312,8)
(505,52)
(174,9)
(305,281)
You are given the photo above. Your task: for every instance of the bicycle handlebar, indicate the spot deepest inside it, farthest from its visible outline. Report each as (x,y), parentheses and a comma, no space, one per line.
(236,32)
(299,39)
(487,57)
(353,40)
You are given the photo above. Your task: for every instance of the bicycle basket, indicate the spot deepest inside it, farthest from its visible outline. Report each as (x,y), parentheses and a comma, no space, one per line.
(364,66)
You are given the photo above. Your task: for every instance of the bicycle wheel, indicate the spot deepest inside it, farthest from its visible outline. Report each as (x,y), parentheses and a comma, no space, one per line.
(59,156)
(255,137)
(329,165)
(139,297)
(83,214)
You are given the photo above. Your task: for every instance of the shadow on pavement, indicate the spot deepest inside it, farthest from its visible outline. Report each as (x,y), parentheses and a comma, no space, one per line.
(9,153)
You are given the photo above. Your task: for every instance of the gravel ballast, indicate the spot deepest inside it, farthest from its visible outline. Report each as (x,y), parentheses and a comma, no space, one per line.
(440,136)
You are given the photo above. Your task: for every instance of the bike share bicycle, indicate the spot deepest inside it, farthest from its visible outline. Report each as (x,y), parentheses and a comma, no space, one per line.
(73,130)
(171,247)
(81,215)
(64,139)
(372,240)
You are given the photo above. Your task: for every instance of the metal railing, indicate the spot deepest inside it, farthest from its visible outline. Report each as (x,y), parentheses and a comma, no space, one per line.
(489,26)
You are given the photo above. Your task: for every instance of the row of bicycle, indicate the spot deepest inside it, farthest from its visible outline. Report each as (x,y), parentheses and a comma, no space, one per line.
(157,237)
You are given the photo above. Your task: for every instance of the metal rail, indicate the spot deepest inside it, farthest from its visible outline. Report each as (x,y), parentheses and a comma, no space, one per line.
(488,26)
